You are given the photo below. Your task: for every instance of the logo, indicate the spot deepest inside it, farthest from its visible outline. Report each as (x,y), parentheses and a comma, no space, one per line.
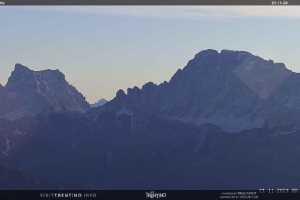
(156,195)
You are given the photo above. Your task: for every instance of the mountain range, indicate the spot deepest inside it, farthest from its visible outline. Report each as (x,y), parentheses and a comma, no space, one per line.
(228,119)
(233,90)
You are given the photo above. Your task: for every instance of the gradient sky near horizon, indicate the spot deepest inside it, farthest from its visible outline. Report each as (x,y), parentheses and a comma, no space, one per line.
(103,49)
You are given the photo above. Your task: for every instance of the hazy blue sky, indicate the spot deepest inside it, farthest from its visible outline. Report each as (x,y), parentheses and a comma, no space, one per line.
(102,49)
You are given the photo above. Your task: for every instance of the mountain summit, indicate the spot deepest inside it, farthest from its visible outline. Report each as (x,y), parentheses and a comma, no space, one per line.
(234,90)
(32,92)
(260,75)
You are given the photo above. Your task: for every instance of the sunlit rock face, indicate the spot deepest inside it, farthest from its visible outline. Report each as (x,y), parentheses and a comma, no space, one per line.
(262,76)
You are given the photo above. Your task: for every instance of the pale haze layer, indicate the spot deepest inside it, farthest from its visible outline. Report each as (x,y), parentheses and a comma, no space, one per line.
(103,49)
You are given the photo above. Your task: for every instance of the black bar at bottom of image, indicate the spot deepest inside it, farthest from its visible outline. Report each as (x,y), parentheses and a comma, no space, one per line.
(286,194)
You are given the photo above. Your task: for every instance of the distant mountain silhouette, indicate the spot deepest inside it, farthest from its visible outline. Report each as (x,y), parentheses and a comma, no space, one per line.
(31,92)
(99,103)
(234,90)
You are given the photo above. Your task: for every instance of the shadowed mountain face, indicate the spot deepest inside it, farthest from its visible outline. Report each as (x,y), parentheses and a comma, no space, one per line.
(2,93)
(118,151)
(228,120)
(230,89)
(15,179)
(31,92)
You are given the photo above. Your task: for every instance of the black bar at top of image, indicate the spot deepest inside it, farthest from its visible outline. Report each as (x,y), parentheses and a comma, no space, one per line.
(151,2)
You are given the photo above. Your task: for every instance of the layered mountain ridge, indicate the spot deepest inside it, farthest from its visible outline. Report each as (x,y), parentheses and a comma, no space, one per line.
(175,135)
(234,90)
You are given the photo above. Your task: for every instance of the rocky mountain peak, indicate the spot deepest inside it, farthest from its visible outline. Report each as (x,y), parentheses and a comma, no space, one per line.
(120,94)
(207,53)
(23,78)
(21,68)
(262,76)
(149,86)
(42,91)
